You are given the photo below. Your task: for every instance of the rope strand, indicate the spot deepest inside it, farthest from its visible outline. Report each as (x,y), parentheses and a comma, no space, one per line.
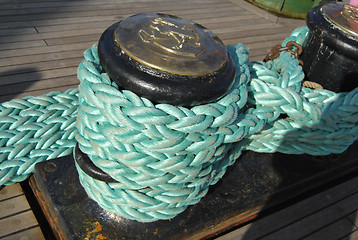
(165,157)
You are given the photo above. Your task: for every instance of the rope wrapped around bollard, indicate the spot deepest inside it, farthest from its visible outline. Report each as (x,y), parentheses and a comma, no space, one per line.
(165,157)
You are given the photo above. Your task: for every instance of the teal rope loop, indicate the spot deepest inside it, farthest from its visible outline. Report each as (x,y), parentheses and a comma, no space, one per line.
(165,157)
(35,129)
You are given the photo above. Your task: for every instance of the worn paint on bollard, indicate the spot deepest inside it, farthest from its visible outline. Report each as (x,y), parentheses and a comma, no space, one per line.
(255,182)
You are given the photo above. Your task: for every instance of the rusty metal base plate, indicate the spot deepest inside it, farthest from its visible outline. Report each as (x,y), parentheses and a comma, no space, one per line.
(255,182)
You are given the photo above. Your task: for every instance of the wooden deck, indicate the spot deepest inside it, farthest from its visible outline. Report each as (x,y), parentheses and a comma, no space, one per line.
(17,221)
(331,214)
(41,45)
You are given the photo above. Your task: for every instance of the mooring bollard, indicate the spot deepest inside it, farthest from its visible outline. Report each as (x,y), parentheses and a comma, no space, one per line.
(160,155)
(163,109)
(330,53)
(167,60)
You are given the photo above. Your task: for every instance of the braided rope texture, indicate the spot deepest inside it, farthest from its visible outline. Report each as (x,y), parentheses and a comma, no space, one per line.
(165,157)
(319,122)
(35,129)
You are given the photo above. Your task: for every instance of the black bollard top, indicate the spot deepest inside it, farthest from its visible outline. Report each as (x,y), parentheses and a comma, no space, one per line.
(330,53)
(166,59)
(337,25)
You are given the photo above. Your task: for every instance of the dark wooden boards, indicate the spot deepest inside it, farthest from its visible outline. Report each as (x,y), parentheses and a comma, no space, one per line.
(42,41)
(331,214)
(16,218)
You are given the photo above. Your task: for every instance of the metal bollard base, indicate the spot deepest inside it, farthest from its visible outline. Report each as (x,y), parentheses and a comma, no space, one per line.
(256,182)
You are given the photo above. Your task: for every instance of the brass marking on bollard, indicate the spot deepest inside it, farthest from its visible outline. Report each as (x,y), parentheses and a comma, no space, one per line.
(344,16)
(172,38)
(170,44)
(350,13)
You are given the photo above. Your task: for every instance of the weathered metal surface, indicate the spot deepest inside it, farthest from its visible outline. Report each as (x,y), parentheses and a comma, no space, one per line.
(171,44)
(255,182)
(330,53)
(85,163)
(344,16)
(166,59)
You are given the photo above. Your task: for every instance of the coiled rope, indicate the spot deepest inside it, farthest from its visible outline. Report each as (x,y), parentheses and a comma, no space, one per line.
(165,157)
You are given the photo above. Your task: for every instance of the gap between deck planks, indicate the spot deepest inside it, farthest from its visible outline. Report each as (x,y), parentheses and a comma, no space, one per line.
(62,36)
(331,214)
(16,218)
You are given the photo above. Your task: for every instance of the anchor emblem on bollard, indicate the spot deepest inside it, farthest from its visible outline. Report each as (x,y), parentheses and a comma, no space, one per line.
(180,40)
(166,59)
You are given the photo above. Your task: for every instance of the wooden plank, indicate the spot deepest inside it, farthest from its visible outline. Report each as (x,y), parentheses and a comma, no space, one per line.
(46,49)
(295,213)
(15,223)
(57,21)
(316,221)
(333,231)
(95,37)
(255,32)
(118,6)
(220,26)
(202,13)
(352,236)
(104,24)
(10,191)
(278,38)
(47,84)
(121,11)
(276,35)
(115,18)
(353,217)
(291,22)
(214,13)
(37,92)
(17,31)
(41,36)
(36,67)
(198,17)
(69,20)
(74,39)
(230,18)
(59,4)
(21,45)
(34,76)
(30,234)
(75,6)
(267,45)
(13,205)
(11,61)
(244,28)
(74,26)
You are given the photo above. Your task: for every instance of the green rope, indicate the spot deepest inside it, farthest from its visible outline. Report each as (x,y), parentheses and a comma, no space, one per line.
(165,157)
